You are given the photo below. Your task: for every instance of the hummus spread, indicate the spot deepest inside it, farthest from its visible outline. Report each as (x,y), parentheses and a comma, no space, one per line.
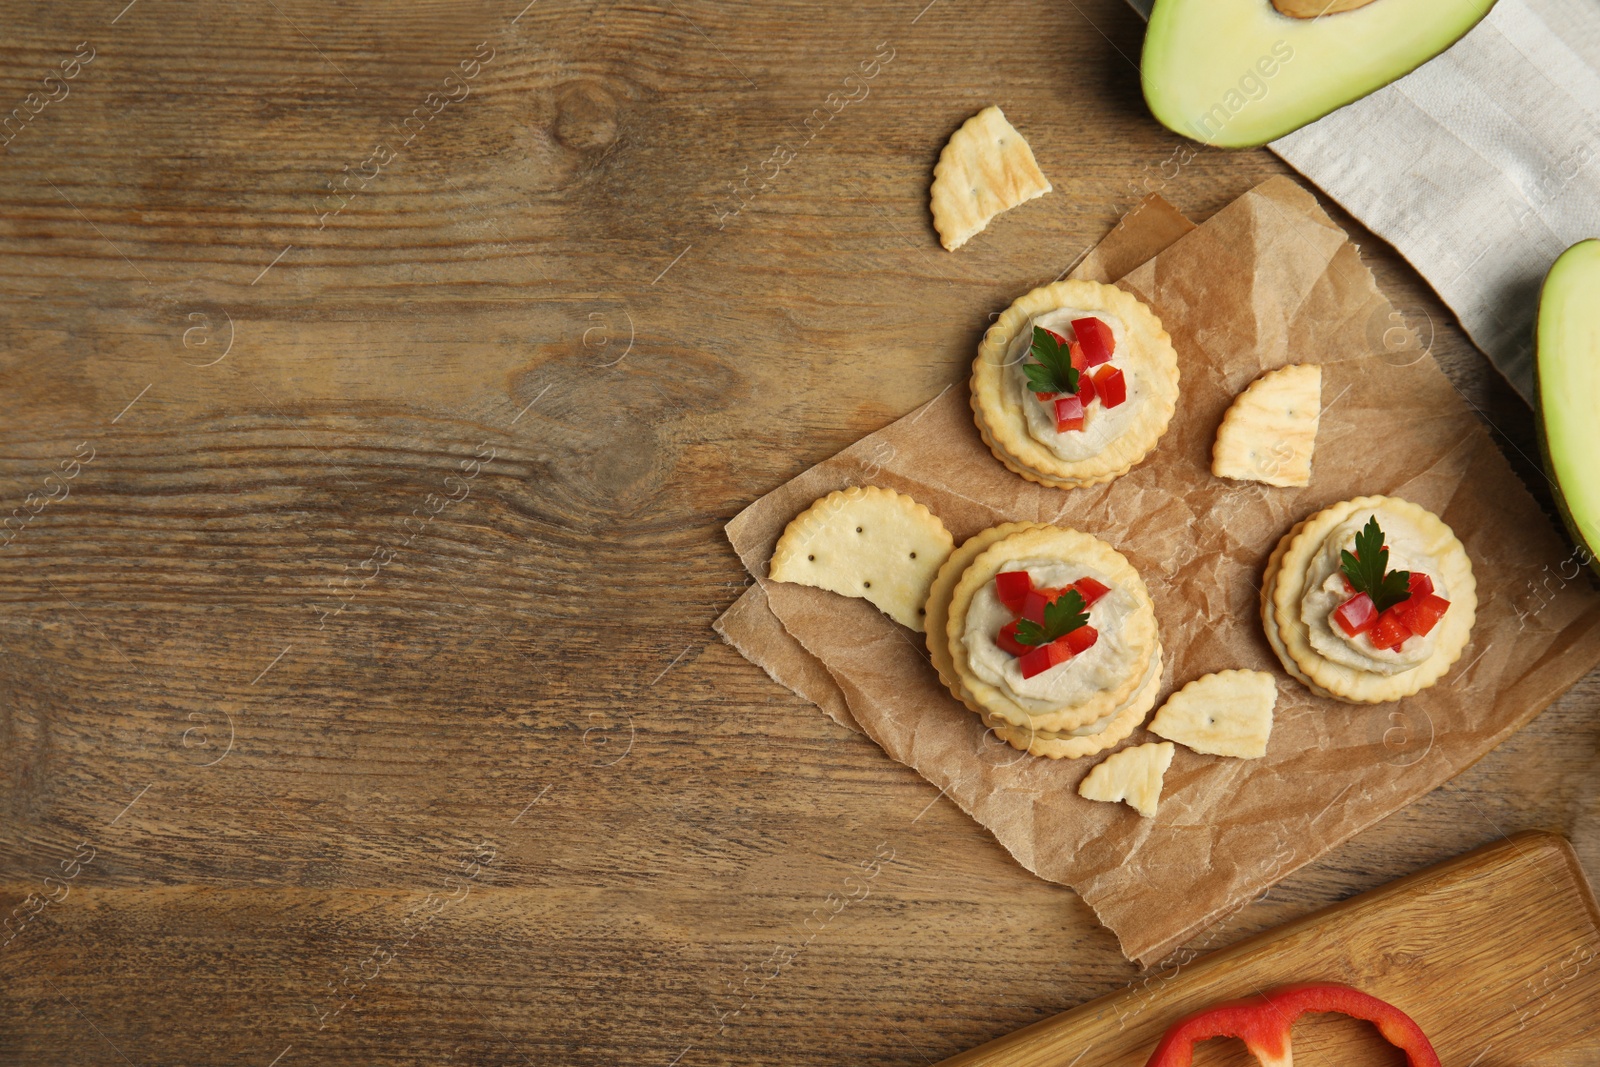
(1105,665)
(1326,591)
(1101,425)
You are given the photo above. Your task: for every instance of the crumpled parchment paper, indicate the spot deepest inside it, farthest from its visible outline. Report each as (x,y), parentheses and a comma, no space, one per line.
(1267,281)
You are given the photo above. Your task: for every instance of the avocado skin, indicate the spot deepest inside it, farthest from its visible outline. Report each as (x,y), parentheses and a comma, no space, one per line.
(1547,447)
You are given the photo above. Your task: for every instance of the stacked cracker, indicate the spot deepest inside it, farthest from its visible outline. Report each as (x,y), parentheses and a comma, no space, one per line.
(1145,354)
(1285,586)
(886,548)
(1109,716)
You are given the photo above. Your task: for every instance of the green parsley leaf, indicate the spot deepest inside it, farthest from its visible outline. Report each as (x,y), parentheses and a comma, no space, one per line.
(1368,569)
(1054,372)
(1062,615)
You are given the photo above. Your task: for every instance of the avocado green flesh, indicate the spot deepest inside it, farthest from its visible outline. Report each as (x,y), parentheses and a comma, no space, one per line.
(1569,387)
(1236,73)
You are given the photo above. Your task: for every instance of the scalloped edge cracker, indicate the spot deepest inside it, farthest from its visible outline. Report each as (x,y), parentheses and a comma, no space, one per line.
(1270,431)
(937,611)
(867,542)
(1094,738)
(985,168)
(1284,586)
(1132,776)
(1224,714)
(1145,355)
(1055,542)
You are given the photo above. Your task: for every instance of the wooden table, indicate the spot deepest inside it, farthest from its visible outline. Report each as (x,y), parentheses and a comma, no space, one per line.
(359,695)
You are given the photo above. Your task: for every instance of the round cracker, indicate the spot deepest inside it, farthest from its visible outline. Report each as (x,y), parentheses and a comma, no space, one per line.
(1336,679)
(1068,545)
(1016,467)
(1268,584)
(1147,352)
(1119,726)
(936,612)
(852,538)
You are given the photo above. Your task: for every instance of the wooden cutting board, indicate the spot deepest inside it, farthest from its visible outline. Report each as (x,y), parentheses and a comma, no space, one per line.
(1496,954)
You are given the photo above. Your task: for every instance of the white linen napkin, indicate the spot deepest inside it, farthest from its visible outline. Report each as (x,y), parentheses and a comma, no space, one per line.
(1480,167)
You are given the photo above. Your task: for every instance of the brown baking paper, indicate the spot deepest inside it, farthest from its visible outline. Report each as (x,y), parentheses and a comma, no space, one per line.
(751,627)
(1269,280)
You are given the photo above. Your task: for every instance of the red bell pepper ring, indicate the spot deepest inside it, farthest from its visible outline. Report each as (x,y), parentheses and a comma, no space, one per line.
(1013,587)
(1098,342)
(1263,1023)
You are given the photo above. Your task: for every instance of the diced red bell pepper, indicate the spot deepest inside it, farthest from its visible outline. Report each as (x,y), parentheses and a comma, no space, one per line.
(1044,657)
(1086,388)
(1098,342)
(1263,1023)
(1044,398)
(1110,386)
(1081,639)
(1035,662)
(1357,615)
(1007,640)
(1033,604)
(1080,362)
(1060,651)
(1421,584)
(1391,630)
(1013,587)
(1090,590)
(1059,339)
(1069,413)
(1422,613)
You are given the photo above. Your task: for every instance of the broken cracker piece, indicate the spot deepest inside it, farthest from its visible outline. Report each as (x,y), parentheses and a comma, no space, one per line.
(1269,433)
(1132,776)
(866,542)
(986,168)
(1224,714)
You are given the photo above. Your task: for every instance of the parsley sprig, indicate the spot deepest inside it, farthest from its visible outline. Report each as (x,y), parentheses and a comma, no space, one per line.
(1368,569)
(1062,615)
(1054,372)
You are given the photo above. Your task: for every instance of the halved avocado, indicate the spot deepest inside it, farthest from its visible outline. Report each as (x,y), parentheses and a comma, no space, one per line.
(1236,73)
(1568,369)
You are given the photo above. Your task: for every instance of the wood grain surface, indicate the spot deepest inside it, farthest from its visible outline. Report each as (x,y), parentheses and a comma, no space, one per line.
(376,380)
(1433,943)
